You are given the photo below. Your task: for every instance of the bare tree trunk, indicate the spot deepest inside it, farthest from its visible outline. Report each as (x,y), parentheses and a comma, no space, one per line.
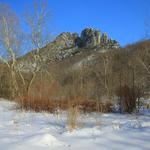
(30,82)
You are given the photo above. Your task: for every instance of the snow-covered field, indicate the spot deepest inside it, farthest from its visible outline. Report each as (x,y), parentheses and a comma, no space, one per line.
(43,131)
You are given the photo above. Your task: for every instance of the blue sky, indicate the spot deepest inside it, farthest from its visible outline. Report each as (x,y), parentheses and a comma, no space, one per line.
(123,20)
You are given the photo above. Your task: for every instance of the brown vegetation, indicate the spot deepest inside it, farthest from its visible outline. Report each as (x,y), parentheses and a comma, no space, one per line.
(87,86)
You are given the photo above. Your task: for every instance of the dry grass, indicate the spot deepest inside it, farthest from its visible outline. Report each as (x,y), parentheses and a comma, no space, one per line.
(43,101)
(72,117)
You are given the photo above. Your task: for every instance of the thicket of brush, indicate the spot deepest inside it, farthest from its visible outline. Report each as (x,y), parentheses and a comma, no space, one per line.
(116,74)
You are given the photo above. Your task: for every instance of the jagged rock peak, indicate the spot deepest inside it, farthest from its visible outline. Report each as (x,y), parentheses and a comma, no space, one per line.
(67,39)
(104,38)
(90,37)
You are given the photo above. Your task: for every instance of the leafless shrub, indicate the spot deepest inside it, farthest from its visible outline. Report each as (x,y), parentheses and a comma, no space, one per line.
(129,96)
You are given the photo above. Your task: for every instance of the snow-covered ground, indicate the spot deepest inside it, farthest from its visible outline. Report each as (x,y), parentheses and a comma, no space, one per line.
(42,131)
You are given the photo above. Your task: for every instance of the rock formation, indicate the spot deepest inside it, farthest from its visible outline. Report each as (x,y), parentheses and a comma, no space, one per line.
(67,40)
(104,39)
(90,37)
(69,44)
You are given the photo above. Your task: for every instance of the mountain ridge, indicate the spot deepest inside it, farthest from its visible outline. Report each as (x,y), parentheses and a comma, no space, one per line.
(69,44)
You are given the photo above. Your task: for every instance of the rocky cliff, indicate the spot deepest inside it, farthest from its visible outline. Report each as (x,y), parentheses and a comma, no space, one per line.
(89,38)
(69,44)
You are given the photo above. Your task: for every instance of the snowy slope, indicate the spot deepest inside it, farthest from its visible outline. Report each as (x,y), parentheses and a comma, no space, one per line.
(42,131)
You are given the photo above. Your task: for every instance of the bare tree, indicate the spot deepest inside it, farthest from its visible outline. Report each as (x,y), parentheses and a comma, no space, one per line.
(37,21)
(146,49)
(10,43)
(144,63)
(103,72)
(143,59)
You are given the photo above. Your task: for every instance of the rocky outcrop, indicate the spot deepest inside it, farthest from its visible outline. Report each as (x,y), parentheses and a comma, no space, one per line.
(113,44)
(108,43)
(104,39)
(66,40)
(66,53)
(93,38)
(90,37)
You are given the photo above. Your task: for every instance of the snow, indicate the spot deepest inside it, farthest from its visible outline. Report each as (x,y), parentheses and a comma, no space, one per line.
(20,130)
(43,140)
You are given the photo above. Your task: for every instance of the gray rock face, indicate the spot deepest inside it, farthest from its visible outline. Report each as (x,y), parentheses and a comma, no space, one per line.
(104,39)
(62,54)
(108,43)
(113,44)
(66,40)
(90,37)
